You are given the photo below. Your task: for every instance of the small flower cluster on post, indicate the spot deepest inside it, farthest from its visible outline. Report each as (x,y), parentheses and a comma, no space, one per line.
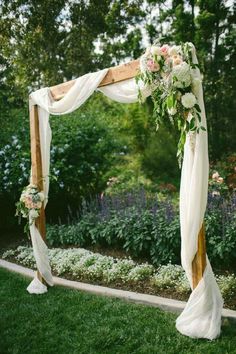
(167,71)
(30,203)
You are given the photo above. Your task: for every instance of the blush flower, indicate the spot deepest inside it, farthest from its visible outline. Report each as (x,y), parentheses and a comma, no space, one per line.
(152,66)
(164,50)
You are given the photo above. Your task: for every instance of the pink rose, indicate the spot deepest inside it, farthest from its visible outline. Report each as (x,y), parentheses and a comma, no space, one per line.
(164,50)
(152,66)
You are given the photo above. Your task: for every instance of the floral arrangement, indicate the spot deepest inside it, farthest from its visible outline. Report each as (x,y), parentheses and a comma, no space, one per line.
(30,204)
(167,71)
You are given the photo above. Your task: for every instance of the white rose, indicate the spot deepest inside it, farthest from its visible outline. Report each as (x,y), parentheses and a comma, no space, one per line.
(155,50)
(172,111)
(182,74)
(188,100)
(173,50)
(196,85)
(33,214)
(41,196)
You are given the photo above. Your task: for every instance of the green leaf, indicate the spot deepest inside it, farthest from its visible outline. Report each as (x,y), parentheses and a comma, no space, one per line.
(197,107)
(192,124)
(170,101)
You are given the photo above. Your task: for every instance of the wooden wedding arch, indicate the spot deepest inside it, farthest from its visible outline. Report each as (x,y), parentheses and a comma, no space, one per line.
(114,74)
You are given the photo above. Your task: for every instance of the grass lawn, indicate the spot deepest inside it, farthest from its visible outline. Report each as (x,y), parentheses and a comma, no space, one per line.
(69,321)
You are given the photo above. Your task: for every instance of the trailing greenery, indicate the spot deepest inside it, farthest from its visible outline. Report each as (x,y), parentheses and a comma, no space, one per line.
(69,321)
(89,266)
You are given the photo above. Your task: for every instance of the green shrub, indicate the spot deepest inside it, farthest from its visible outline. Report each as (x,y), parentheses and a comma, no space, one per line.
(141,233)
(150,229)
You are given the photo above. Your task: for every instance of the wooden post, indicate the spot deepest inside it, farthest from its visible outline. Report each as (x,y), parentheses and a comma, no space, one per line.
(36,165)
(199,261)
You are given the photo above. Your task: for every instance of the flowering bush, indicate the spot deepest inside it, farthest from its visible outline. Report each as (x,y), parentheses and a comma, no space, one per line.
(168,73)
(30,203)
(227,284)
(86,265)
(148,227)
(217,185)
(171,276)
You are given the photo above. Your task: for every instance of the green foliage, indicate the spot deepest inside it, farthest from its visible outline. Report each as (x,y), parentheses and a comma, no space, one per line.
(159,158)
(152,232)
(84,147)
(140,233)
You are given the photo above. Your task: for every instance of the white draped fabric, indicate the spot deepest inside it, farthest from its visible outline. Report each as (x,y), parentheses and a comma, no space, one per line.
(201,317)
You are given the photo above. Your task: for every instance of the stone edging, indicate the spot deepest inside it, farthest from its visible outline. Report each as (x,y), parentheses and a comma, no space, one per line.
(150,300)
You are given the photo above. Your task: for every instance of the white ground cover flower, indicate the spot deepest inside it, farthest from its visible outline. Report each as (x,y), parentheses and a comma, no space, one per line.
(102,265)
(119,270)
(168,276)
(94,266)
(227,284)
(140,272)
(9,253)
(25,256)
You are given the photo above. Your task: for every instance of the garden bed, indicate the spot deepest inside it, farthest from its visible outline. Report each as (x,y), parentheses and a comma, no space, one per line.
(121,273)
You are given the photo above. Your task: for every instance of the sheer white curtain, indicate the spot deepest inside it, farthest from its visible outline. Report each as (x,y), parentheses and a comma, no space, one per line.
(201,317)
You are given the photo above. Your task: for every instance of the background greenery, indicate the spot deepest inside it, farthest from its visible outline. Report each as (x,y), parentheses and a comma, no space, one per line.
(47,42)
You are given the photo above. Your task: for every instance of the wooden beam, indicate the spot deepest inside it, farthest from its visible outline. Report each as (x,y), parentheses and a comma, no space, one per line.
(114,74)
(36,165)
(199,261)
